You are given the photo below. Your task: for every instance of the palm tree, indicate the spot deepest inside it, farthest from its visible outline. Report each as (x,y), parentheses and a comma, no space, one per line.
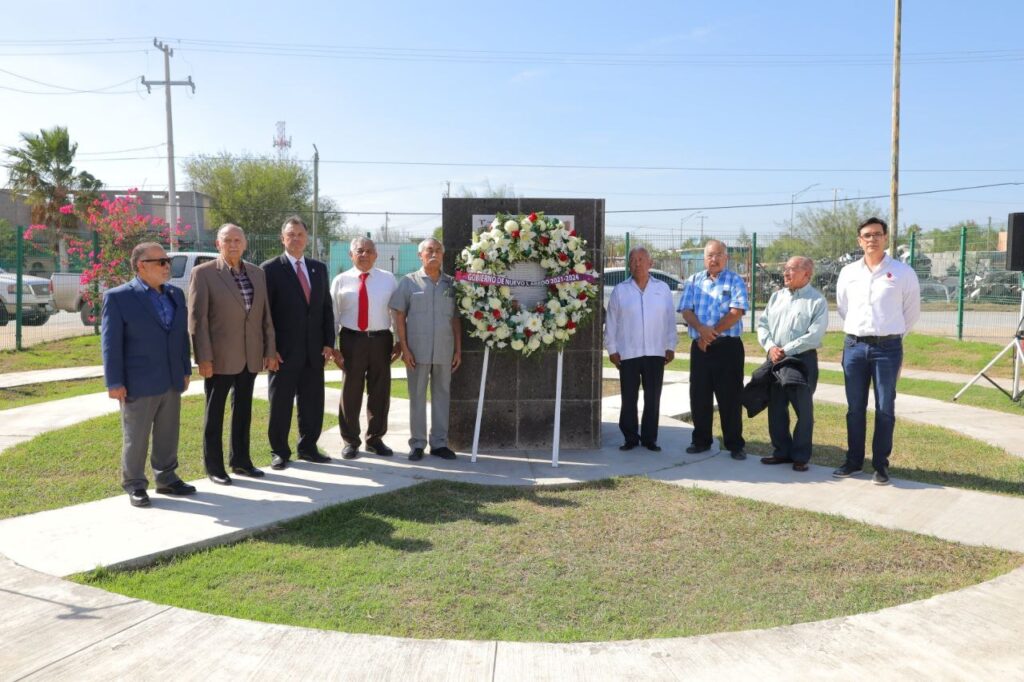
(41,172)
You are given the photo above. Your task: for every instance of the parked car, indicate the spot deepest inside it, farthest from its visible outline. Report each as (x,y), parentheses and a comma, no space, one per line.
(933,290)
(36,299)
(69,291)
(612,276)
(996,286)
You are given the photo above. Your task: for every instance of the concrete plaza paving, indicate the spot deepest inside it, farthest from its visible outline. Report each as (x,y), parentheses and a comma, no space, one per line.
(53,629)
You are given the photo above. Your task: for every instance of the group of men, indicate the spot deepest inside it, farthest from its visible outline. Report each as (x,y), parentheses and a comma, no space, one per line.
(878,300)
(283,317)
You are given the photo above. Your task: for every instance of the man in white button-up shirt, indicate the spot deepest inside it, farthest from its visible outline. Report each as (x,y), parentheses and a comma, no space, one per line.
(879,300)
(640,335)
(367,348)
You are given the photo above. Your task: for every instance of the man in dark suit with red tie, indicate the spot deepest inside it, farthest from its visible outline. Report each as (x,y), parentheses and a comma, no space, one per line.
(303,315)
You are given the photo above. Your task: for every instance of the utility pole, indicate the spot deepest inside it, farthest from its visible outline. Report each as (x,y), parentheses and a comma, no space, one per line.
(316,198)
(448,189)
(835,198)
(172,192)
(894,188)
(702,229)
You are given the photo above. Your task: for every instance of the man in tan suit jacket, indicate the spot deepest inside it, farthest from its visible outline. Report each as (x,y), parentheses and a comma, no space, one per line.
(233,338)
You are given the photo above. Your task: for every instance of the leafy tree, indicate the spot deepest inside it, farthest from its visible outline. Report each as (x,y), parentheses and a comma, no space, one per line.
(979,238)
(822,232)
(41,171)
(259,193)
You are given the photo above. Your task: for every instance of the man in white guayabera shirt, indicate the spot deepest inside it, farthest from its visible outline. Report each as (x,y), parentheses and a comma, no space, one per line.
(640,335)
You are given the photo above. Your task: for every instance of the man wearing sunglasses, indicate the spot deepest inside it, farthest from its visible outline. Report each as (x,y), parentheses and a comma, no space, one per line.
(146,367)
(879,300)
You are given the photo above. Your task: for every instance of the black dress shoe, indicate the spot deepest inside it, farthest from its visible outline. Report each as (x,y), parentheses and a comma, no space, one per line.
(377,447)
(350,451)
(653,447)
(626,447)
(314,457)
(277,462)
(220,479)
(138,498)
(251,472)
(776,460)
(697,449)
(416,455)
(738,454)
(443,452)
(179,487)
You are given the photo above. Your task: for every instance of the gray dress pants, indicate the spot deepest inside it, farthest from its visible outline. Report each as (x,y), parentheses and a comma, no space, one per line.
(159,416)
(440,379)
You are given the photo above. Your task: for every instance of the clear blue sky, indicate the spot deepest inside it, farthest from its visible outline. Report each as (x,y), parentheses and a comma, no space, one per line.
(784,95)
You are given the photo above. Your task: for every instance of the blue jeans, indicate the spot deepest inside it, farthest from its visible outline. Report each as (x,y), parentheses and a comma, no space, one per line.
(865,364)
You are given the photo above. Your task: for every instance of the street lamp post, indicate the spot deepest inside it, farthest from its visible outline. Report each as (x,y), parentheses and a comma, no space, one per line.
(792,200)
(683,220)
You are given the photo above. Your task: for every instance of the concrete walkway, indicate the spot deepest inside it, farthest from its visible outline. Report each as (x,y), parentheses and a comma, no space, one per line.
(53,629)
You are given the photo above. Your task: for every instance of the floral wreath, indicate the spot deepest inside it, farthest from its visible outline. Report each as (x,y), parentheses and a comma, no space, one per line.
(485,296)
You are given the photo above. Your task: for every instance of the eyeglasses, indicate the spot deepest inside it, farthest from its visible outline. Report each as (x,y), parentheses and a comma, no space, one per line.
(714,256)
(159,261)
(872,235)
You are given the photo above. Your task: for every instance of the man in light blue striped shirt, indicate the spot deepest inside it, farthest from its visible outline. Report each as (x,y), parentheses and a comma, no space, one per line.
(713,306)
(791,329)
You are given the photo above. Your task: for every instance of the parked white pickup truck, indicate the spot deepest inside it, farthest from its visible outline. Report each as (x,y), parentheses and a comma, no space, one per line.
(36,299)
(68,289)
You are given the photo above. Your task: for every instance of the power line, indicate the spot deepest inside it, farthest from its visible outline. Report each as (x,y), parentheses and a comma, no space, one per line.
(62,87)
(563,166)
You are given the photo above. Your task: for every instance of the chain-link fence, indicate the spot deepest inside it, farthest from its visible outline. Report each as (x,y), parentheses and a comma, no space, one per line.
(966,291)
(56,304)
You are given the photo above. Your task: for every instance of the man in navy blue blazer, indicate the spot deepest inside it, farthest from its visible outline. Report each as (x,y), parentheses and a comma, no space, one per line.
(147,366)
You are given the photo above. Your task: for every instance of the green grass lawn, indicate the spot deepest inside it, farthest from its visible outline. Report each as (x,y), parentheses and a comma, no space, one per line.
(588,562)
(74,352)
(31,394)
(81,463)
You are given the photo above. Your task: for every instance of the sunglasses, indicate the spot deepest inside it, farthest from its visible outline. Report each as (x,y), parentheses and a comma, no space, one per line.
(159,261)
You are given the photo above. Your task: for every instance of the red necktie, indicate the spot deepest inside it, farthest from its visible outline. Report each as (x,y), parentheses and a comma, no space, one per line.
(303,282)
(364,303)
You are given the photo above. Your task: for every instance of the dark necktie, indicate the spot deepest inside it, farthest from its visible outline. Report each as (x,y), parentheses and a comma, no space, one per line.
(303,282)
(364,303)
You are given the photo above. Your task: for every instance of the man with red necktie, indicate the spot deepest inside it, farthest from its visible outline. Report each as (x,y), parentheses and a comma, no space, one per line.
(366,347)
(303,314)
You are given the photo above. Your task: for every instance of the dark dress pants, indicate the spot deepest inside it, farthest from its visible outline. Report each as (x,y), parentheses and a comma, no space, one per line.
(647,371)
(305,382)
(367,367)
(795,446)
(217,388)
(717,374)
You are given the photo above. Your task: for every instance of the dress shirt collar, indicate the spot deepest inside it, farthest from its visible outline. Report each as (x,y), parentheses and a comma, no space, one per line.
(882,265)
(300,259)
(147,288)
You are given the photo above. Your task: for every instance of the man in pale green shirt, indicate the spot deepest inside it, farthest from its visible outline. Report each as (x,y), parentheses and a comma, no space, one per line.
(791,329)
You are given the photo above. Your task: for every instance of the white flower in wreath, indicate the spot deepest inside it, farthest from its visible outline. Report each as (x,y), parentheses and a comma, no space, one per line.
(548,339)
(554,306)
(495,224)
(504,291)
(574,243)
(534,342)
(511,225)
(561,334)
(494,303)
(501,344)
(503,332)
(517,344)
(561,319)
(480,325)
(580,268)
(535,323)
(526,235)
(477,265)
(466,303)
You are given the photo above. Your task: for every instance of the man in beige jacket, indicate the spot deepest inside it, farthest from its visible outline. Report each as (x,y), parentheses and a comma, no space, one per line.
(233,340)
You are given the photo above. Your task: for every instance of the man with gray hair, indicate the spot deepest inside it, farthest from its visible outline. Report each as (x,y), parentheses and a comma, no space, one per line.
(233,338)
(430,337)
(640,335)
(366,347)
(146,367)
(791,329)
